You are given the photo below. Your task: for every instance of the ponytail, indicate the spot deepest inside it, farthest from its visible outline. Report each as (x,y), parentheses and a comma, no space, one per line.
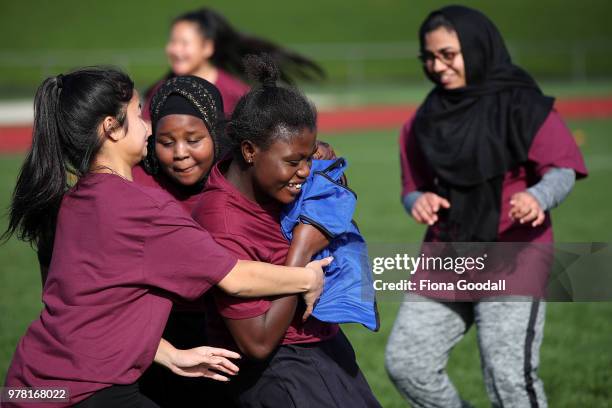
(268,111)
(232,46)
(42,180)
(68,110)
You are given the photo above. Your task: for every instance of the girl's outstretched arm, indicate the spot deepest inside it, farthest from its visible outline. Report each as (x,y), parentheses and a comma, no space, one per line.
(257,279)
(259,336)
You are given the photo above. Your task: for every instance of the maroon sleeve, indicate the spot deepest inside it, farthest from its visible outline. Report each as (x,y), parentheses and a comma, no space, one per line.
(232,89)
(415,172)
(180,256)
(554,146)
(232,307)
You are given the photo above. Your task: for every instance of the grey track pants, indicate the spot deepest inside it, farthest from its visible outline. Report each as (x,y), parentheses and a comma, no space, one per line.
(509,338)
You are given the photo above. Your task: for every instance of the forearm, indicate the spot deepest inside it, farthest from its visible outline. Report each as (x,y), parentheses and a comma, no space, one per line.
(258,279)
(307,241)
(164,353)
(554,187)
(277,321)
(259,336)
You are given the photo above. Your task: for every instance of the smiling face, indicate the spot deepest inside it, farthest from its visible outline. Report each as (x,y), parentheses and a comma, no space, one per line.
(280,170)
(184,148)
(443,59)
(187,50)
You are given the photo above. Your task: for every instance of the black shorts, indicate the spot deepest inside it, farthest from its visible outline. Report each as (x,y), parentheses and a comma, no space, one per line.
(320,375)
(117,396)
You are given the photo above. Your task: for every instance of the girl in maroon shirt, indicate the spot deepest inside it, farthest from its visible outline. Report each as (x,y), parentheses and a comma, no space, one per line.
(203,43)
(121,252)
(291,361)
(187,115)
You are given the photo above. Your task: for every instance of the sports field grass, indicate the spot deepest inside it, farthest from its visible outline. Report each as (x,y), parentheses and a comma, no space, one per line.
(577,351)
(555,38)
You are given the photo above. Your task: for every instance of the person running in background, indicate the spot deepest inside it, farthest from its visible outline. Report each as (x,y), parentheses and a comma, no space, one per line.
(110,284)
(203,43)
(289,361)
(485,159)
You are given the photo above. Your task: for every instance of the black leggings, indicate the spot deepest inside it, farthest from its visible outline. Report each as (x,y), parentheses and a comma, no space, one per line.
(118,396)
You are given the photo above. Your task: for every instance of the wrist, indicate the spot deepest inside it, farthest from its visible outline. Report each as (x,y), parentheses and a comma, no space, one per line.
(539,196)
(311,279)
(410,199)
(168,356)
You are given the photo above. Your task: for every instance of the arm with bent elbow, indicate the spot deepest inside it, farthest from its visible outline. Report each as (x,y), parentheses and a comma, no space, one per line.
(259,336)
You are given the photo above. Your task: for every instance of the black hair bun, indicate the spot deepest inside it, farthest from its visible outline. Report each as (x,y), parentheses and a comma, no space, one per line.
(262,69)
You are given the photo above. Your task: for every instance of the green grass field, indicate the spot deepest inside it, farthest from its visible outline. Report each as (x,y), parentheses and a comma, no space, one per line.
(551,38)
(577,352)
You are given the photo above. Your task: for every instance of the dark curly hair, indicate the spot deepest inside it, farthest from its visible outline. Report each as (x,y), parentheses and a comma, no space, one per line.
(269,112)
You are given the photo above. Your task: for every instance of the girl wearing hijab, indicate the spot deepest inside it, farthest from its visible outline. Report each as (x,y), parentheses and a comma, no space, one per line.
(203,43)
(187,115)
(187,118)
(484,160)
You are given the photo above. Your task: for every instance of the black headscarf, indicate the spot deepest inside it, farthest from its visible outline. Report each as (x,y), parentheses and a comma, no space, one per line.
(188,95)
(473,135)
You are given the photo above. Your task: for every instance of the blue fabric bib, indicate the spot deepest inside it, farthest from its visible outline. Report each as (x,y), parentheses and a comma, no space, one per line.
(348,294)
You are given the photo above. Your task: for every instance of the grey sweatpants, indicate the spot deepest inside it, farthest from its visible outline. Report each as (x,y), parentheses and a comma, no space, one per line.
(509,337)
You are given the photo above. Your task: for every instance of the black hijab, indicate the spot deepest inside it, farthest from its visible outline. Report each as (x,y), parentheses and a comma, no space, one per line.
(473,135)
(188,95)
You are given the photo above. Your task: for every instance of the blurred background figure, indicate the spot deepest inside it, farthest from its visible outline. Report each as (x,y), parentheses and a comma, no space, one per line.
(204,44)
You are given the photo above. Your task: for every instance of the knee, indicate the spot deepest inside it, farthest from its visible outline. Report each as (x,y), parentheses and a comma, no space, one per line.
(398,360)
(406,368)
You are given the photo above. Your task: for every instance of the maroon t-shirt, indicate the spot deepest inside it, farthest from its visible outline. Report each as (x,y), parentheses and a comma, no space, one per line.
(230,87)
(525,268)
(122,252)
(250,232)
(552,146)
(187,197)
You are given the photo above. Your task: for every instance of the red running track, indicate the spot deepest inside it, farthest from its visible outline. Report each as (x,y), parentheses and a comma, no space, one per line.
(16,139)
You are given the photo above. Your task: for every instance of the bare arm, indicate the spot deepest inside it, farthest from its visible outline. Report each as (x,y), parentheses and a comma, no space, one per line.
(259,336)
(258,279)
(307,241)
